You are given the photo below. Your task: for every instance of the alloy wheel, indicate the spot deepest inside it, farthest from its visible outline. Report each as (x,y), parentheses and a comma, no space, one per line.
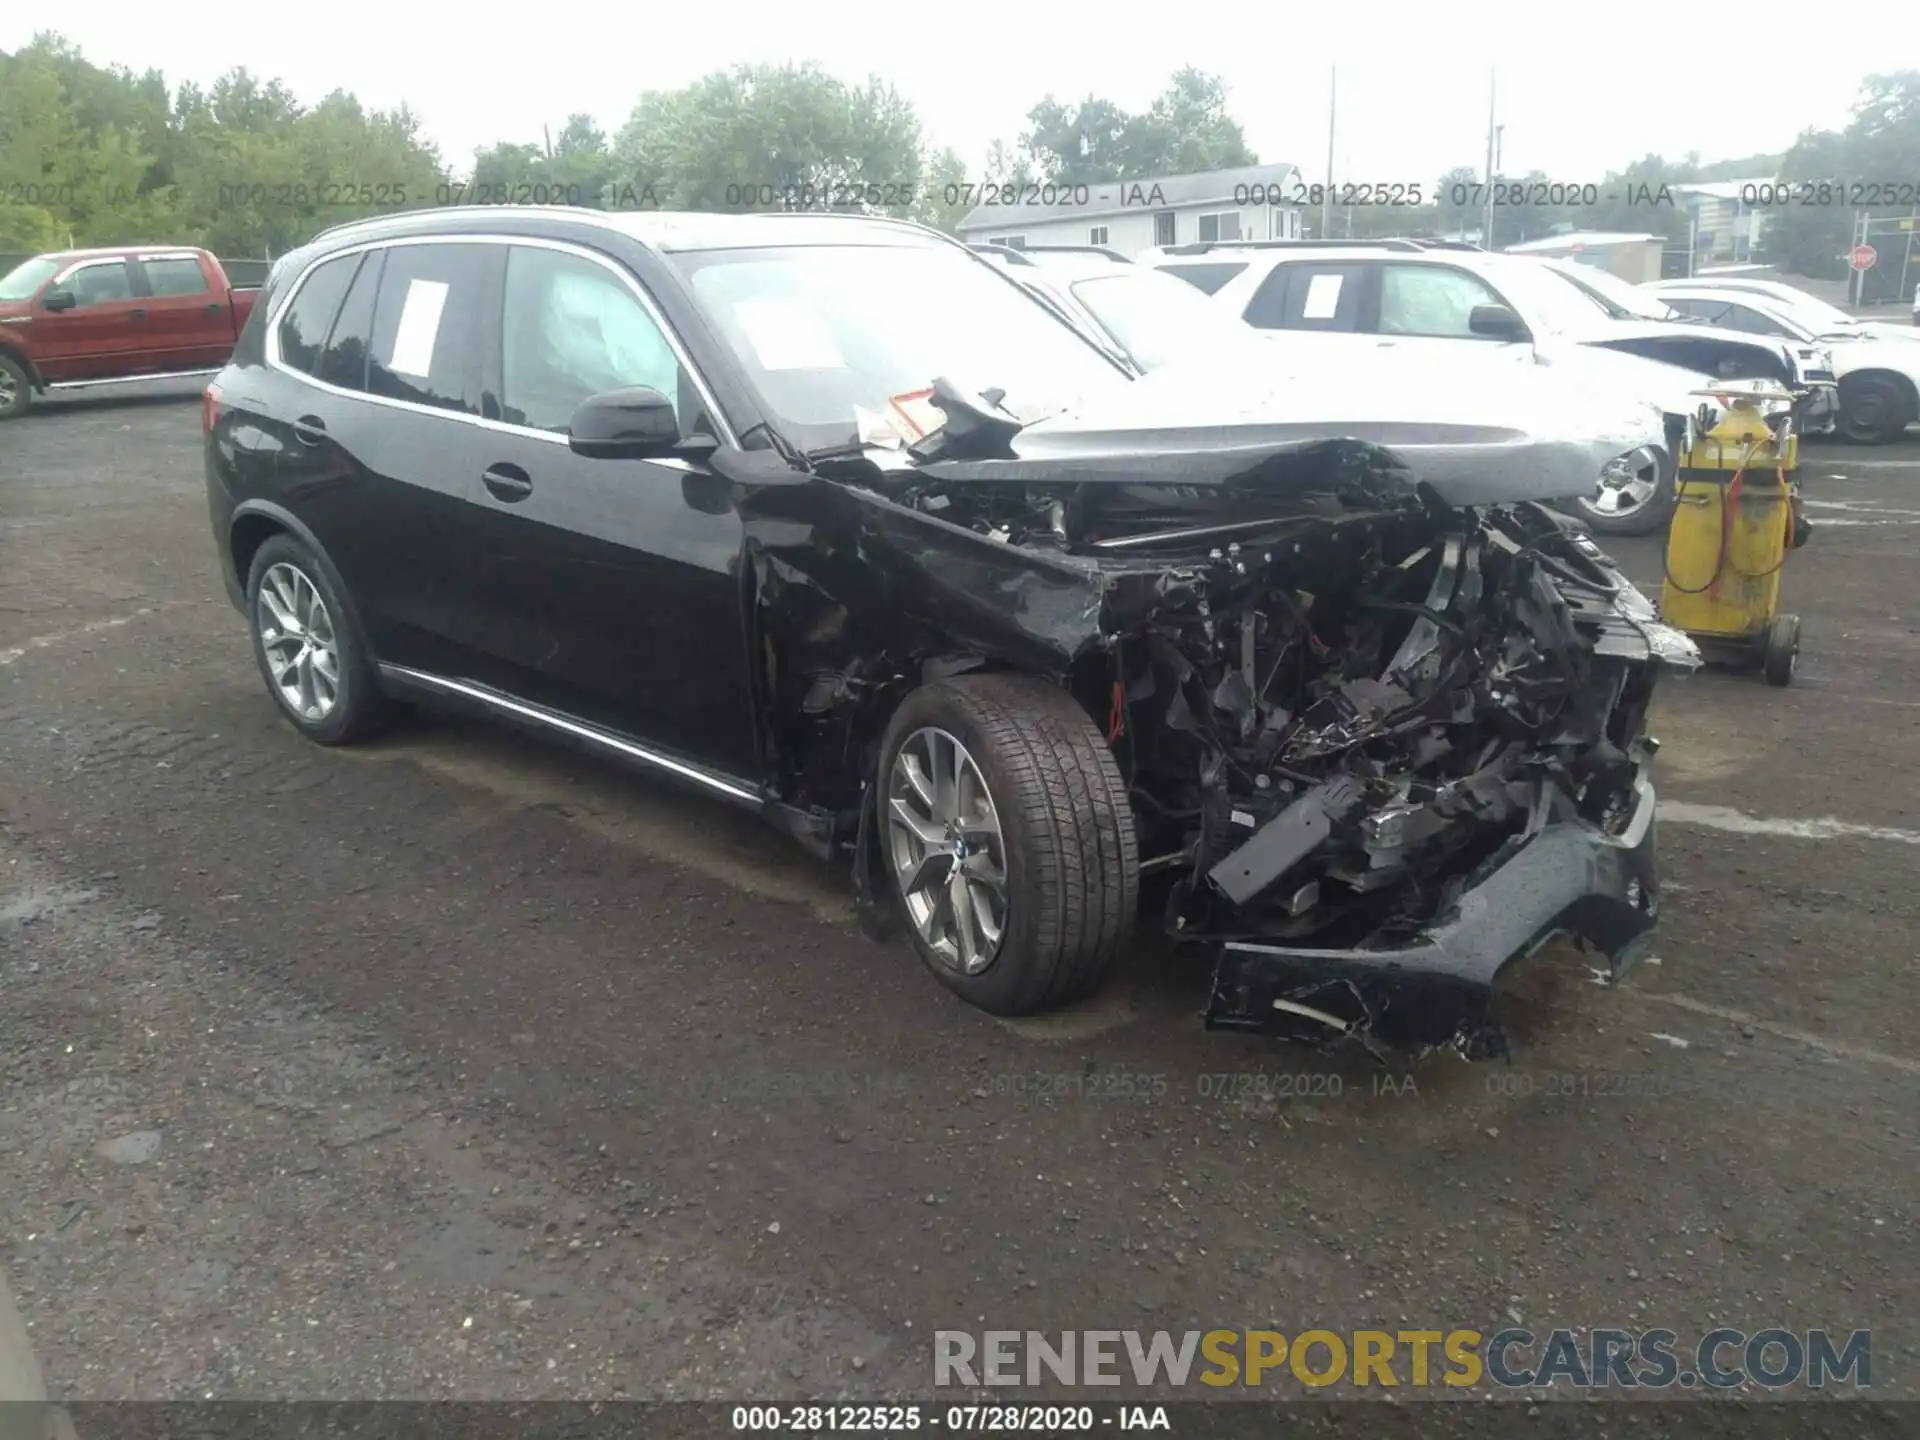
(297,636)
(948,853)
(1625,488)
(9,389)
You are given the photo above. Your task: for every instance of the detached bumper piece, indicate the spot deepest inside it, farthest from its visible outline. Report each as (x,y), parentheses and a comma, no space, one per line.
(1436,988)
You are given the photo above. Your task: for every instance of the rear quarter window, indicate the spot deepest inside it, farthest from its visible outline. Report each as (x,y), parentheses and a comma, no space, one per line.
(309,316)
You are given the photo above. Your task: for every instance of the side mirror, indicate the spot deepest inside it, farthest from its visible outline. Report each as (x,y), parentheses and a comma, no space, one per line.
(1496,322)
(57,300)
(636,423)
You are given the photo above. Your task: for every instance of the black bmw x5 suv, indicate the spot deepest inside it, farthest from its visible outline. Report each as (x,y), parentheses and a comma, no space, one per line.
(826,516)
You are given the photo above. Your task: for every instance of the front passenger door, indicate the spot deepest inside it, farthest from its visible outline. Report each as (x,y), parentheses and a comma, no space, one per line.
(100,333)
(610,590)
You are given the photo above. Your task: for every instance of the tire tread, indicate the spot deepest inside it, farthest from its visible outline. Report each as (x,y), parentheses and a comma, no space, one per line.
(1084,873)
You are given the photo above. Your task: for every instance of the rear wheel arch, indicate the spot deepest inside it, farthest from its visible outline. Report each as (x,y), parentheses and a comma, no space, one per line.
(256,522)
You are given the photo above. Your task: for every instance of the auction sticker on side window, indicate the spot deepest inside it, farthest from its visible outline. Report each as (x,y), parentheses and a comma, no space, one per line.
(1323,297)
(419,327)
(788,335)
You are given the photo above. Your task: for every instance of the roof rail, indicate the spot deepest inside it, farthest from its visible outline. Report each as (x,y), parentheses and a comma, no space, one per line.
(456,210)
(1202,247)
(1005,252)
(1106,250)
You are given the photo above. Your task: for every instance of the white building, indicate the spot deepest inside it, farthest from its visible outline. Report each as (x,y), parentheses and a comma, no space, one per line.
(1255,202)
(1631,257)
(1726,225)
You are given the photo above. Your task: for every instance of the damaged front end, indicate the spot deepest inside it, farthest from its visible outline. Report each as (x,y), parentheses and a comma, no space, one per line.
(1384,744)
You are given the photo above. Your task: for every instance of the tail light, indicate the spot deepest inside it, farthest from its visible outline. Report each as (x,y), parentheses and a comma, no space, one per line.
(209,409)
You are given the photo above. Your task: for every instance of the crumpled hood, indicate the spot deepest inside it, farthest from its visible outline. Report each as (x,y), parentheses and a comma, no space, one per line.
(1479,437)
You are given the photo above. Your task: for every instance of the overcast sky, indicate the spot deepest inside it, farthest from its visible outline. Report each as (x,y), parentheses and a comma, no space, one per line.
(1579,93)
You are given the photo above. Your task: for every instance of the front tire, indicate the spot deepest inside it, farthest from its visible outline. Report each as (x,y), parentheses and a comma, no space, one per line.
(16,388)
(308,651)
(1010,840)
(1873,411)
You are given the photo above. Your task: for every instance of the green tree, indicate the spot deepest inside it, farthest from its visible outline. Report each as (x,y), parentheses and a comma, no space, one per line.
(770,137)
(1185,130)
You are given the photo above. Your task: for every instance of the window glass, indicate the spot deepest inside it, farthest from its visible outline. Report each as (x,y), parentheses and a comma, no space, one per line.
(1308,296)
(28,276)
(344,360)
(1739,317)
(826,332)
(1224,226)
(426,326)
(98,284)
(174,277)
(1097,235)
(1163,227)
(1156,318)
(1207,278)
(571,329)
(1431,300)
(305,323)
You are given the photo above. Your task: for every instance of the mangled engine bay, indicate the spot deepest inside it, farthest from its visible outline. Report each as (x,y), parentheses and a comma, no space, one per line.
(1382,744)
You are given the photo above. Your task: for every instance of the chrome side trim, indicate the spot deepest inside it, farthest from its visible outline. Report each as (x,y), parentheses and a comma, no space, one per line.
(292,292)
(486,695)
(130,379)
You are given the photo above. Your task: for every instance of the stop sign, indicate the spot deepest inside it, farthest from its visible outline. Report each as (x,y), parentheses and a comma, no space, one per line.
(1862,257)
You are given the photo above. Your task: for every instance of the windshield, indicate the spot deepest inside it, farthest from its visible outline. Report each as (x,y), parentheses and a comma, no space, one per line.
(1547,300)
(823,329)
(1155,317)
(28,276)
(1811,310)
(1619,299)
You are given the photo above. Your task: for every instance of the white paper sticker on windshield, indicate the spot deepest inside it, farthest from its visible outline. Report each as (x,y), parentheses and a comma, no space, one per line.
(788,335)
(1323,297)
(419,328)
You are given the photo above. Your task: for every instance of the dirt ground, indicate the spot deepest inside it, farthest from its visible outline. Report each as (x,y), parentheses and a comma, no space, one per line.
(459,1067)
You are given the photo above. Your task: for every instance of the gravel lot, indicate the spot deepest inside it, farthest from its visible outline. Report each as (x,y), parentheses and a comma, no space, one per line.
(458,1067)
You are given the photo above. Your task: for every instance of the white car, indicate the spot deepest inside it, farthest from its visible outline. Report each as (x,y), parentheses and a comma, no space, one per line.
(1150,318)
(1810,310)
(1455,306)
(1879,378)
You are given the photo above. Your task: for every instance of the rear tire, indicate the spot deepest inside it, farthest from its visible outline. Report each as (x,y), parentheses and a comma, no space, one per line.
(1629,515)
(307,647)
(1066,851)
(16,388)
(1873,411)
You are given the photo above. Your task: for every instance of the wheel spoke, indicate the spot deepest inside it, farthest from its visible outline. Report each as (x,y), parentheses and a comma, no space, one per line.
(960,899)
(916,777)
(283,663)
(932,869)
(926,831)
(984,916)
(276,603)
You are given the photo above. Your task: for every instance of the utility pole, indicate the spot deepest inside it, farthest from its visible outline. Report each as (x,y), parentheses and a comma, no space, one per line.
(1486,224)
(1326,198)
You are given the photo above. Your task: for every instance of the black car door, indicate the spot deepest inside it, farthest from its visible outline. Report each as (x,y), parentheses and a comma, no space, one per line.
(380,455)
(609,590)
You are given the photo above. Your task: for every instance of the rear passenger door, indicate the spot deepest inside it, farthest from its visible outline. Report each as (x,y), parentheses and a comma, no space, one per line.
(380,445)
(189,326)
(1324,307)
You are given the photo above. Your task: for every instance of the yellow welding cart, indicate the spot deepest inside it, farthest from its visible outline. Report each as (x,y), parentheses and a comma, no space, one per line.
(1737,519)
